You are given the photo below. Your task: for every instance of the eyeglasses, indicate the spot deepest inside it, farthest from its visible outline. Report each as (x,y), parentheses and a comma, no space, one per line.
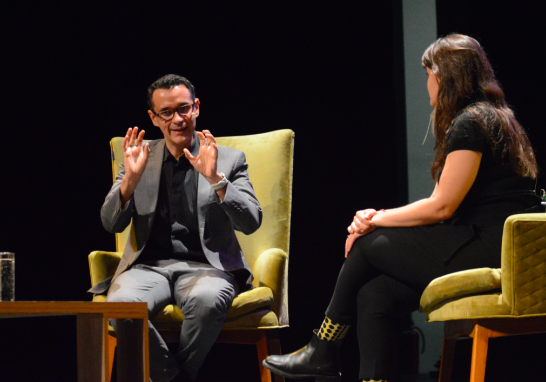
(182,110)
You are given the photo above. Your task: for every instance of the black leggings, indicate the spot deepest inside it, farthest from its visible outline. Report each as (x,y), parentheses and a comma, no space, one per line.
(382,281)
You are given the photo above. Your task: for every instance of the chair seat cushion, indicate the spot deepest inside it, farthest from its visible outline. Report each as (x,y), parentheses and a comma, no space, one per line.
(460,284)
(244,303)
(258,319)
(248,310)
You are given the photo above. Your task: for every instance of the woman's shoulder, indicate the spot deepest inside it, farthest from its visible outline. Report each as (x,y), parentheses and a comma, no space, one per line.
(466,123)
(479,114)
(468,119)
(466,133)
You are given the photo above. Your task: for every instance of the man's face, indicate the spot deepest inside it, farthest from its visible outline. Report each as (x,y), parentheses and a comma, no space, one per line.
(178,131)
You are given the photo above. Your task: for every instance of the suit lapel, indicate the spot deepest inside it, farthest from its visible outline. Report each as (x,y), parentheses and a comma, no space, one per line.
(153,174)
(203,199)
(204,193)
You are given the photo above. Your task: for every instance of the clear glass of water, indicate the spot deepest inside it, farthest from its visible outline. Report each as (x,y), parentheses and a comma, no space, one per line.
(7,276)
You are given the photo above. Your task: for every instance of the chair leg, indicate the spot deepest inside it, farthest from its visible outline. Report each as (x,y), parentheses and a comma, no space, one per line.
(479,353)
(274,343)
(112,343)
(446,364)
(265,375)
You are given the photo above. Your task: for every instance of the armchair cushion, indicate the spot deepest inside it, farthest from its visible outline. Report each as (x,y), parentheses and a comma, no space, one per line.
(459,284)
(171,317)
(243,304)
(259,319)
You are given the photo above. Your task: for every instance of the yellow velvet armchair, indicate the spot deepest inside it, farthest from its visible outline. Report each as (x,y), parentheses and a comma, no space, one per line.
(255,315)
(486,303)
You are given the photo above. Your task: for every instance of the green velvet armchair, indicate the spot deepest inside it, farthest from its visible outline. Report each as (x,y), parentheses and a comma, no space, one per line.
(257,314)
(486,303)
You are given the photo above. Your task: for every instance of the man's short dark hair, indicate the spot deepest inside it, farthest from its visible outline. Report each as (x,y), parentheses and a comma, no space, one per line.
(168,82)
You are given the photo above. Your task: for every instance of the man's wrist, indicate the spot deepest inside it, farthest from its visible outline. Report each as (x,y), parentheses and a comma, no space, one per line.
(130,180)
(215,178)
(218,182)
(127,187)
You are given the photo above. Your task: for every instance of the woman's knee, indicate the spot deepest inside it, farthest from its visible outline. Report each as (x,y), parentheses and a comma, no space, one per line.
(372,245)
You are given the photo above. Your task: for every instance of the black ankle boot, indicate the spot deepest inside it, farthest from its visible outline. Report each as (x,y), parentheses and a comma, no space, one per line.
(319,360)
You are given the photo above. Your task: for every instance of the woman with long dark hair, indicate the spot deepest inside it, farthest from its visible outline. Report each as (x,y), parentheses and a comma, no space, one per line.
(484,170)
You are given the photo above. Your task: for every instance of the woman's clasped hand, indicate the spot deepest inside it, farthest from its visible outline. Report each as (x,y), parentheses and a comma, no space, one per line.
(361,225)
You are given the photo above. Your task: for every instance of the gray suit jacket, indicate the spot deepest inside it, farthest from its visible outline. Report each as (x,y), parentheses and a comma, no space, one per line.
(217,221)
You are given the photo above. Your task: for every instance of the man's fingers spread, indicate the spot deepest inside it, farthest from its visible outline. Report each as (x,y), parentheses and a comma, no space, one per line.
(188,154)
(211,138)
(146,152)
(127,137)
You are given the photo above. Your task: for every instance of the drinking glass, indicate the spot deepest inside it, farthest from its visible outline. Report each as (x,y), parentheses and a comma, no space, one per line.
(7,276)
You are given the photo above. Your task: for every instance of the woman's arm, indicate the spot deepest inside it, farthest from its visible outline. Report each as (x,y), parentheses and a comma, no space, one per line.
(458,175)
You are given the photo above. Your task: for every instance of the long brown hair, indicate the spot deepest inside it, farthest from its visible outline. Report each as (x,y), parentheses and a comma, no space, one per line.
(467,84)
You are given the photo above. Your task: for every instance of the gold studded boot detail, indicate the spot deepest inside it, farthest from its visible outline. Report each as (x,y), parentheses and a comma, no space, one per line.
(332,332)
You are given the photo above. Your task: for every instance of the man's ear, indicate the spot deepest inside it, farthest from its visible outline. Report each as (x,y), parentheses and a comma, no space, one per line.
(153,117)
(195,113)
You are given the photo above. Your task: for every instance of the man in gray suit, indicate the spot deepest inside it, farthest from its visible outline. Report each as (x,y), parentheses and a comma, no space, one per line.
(185,196)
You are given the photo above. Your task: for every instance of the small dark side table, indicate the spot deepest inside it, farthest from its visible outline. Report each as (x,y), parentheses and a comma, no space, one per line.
(92,335)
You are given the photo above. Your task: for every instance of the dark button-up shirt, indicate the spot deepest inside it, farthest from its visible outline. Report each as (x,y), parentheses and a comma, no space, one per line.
(175,230)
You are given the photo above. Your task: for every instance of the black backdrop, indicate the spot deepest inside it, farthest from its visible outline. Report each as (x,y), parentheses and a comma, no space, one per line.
(77,74)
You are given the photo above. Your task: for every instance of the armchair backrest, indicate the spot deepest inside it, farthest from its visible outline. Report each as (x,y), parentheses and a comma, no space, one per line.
(269,157)
(524,264)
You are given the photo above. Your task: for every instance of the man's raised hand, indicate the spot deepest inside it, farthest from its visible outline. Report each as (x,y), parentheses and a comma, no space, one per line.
(135,158)
(206,161)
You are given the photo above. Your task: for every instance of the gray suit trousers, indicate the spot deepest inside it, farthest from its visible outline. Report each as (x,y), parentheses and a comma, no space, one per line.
(202,292)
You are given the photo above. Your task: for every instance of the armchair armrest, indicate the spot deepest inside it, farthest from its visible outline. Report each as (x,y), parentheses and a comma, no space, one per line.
(459,284)
(269,271)
(103,265)
(524,263)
